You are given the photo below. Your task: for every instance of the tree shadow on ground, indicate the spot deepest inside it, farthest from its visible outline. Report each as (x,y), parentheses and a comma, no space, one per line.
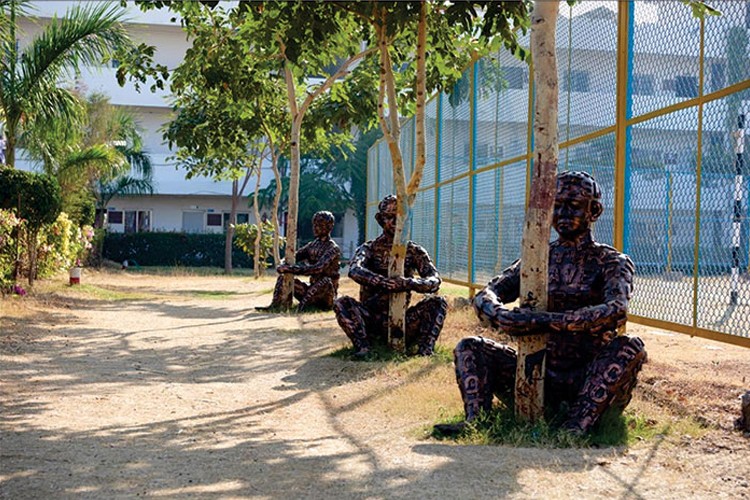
(255,447)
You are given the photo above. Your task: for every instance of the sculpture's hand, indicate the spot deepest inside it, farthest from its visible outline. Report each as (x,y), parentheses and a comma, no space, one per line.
(284,268)
(396,284)
(519,321)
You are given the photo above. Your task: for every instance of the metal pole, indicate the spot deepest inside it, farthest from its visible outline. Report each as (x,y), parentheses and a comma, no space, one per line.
(739,149)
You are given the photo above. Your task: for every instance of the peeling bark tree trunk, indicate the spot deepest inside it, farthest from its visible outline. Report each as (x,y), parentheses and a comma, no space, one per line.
(392,132)
(529,390)
(287,288)
(258,261)
(297,113)
(405,194)
(230,229)
(275,211)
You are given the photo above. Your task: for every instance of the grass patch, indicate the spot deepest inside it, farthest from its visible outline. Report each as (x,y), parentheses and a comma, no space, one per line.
(454,290)
(96,292)
(500,427)
(211,294)
(187,271)
(380,352)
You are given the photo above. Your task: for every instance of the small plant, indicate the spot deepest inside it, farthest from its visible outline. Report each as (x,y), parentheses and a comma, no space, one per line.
(244,239)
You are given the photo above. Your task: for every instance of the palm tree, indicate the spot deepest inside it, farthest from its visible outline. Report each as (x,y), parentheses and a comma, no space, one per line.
(29,92)
(100,159)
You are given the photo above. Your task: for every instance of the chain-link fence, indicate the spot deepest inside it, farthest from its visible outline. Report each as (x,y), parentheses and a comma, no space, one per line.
(652,103)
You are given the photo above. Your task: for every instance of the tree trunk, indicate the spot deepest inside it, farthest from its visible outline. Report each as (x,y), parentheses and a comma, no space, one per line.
(529,390)
(230,229)
(258,257)
(275,212)
(406,194)
(297,113)
(32,241)
(391,132)
(293,209)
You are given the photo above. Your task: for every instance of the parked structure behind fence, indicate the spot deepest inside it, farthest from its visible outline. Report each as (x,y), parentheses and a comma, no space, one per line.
(649,101)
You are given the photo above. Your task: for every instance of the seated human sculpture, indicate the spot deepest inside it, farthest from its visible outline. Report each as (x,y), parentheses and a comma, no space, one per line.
(590,368)
(319,259)
(366,320)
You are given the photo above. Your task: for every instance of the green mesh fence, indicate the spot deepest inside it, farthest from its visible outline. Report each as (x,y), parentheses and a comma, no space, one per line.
(657,124)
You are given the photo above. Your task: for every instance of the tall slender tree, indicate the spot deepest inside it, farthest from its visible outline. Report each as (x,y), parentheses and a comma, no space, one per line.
(404,32)
(98,159)
(305,38)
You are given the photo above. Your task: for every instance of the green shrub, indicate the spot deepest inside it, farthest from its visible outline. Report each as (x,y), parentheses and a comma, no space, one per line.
(171,249)
(9,226)
(244,239)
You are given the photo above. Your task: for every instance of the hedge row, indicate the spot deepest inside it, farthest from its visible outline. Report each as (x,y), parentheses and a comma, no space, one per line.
(171,249)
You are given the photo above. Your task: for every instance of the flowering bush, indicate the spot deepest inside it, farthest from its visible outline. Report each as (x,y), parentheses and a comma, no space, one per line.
(9,223)
(62,245)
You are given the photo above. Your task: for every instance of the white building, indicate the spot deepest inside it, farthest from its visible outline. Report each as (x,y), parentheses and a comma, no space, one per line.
(196,205)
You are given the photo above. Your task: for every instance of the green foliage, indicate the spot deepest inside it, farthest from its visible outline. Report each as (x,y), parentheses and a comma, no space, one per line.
(29,77)
(324,190)
(701,9)
(36,197)
(171,249)
(89,167)
(9,230)
(244,239)
(349,173)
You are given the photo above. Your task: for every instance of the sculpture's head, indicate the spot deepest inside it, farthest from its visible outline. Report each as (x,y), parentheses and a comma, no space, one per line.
(386,215)
(577,204)
(323,222)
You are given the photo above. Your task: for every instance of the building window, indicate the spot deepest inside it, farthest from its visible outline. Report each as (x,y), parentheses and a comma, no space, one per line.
(137,221)
(192,222)
(214,220)
(515,77)
(240,218)
(643,84)
(686,86)
(114,217)
(577,81)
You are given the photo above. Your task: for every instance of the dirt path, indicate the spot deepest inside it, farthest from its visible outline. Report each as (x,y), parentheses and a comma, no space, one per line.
(184,391)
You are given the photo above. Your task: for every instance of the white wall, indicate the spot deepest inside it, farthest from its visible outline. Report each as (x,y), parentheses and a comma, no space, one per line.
(166,211)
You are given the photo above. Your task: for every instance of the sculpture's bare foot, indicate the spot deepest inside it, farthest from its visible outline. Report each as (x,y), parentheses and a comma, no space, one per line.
(425,351)
(271,308)
(362,354)
(450,430)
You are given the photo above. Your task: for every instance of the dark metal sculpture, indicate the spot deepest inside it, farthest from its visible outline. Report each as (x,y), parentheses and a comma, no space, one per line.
(366,320)
(589,367)
(319,259)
